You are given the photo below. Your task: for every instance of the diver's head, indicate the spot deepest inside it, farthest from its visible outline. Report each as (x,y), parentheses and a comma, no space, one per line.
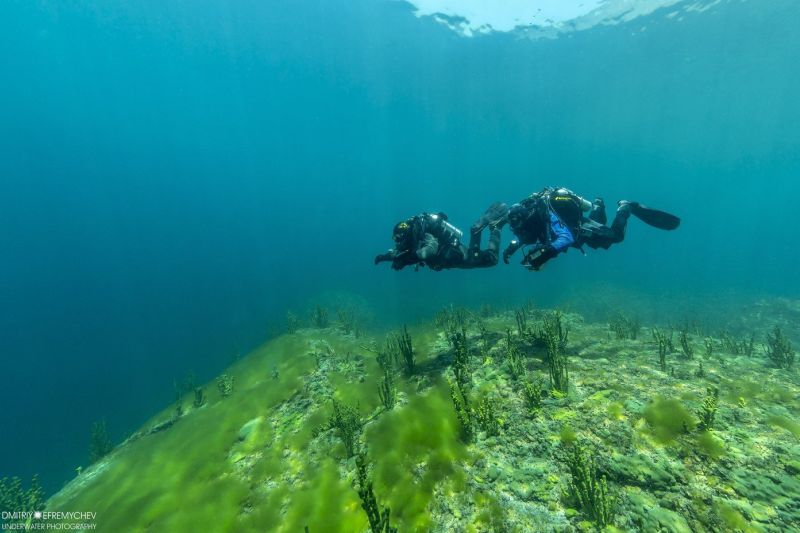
(517,216)
(402,232)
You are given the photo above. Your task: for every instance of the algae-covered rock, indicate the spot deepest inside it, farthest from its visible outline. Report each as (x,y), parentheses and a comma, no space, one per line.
(247,429)
(265,459)
(641,470)
(646,515)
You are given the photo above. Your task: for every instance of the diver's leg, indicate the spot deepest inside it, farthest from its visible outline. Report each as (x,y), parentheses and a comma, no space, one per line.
(488,257)
(493,217)
(599,236)
(457,257)
(620,223)
(474,241)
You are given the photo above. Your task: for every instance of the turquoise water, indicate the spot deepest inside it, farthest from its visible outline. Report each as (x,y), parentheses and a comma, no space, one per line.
(173,178)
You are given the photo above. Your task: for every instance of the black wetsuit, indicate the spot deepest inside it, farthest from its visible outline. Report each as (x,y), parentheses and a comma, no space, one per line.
(436,243)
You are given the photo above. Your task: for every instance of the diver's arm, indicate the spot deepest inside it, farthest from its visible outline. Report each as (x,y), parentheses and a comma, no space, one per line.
(429,247)
(403,259)
(562,239)
(388,256)
(511,249)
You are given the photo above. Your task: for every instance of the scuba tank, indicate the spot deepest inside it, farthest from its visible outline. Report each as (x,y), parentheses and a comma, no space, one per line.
(447,232)
(563,195)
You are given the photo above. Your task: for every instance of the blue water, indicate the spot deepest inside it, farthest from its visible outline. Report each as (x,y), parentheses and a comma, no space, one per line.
(174,176)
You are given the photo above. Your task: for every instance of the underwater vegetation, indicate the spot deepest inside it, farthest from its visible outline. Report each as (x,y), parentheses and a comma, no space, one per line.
(379,519)
(495,420)
(589,489)
(100,443)
(779,350)
(15,497)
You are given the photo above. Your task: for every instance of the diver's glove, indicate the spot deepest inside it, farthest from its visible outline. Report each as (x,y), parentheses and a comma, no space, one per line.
(380,258)
(538,256)
(509,251)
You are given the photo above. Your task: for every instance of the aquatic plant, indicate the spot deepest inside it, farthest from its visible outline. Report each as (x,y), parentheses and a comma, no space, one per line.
(553,330)
(461,363)
(686,346)
(708,410)
(778,349)
(588,488)
(521,317)
(403,350)
(486,417)
(451,320)
(347,320)
(386,358)
(749,345)
(743,347)
(347,424)
(225,385)
(663,343)
(700,373)
(458,395)
(199,397)
(275,374)
(15,498)
(319,317)
(387,391)
(532,392)
(624,327)
(99,442)
(515,361)
(292,322)
(483,333)
(708,343)
(378,518)
(557,364)
(178,406)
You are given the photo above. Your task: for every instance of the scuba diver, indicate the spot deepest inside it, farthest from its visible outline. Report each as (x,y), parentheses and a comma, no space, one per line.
(431,240)
(552,221)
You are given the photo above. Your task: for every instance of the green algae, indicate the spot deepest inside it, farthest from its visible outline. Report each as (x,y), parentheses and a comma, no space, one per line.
(413,450)
(785,423)
(567,435)
(668,419)
(490,515)
(733,519)
(710,445)
(615,411)
(325,503)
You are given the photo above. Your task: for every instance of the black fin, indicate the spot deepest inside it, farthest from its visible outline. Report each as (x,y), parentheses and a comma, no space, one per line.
(494,215)
(496,211)
(654,217)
